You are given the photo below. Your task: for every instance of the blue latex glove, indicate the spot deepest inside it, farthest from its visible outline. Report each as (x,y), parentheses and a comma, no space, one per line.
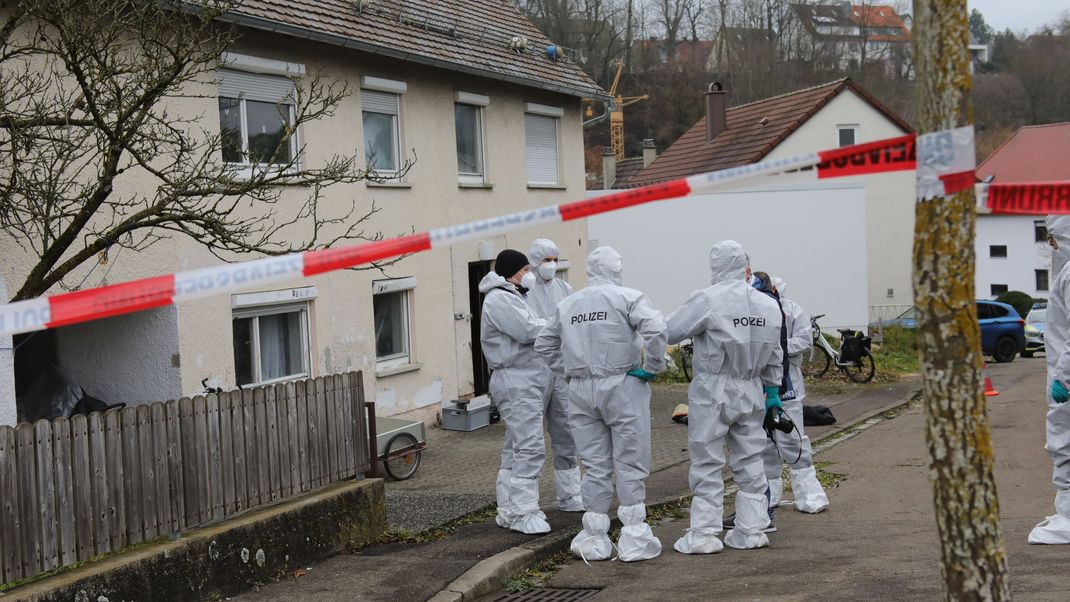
(642,375)
(772,398)
(1058,392)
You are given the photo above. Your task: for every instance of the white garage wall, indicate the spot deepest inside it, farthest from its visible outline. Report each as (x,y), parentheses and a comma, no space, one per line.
(811,234)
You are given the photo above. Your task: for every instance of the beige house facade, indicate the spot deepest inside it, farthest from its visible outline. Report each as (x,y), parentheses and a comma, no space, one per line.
(483,141)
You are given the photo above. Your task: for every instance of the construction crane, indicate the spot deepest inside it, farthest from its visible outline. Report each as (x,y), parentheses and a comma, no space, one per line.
(616,113)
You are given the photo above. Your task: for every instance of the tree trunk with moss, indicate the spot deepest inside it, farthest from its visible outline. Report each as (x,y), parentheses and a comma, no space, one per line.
(973,559)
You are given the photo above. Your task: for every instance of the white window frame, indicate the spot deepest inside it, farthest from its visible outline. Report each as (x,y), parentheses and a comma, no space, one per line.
(531,108)
(255,312)
(266,68)
(398,89)
(854,127)
(405,287)
(479,102)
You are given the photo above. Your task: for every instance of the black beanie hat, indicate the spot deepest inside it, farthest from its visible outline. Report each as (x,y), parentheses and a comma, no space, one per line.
(509,262)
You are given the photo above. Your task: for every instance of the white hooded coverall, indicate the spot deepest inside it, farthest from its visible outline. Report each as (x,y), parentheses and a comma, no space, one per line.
(594,338)
(1056,528)
(735,330)
(809,494)
(519,383)
(543,298)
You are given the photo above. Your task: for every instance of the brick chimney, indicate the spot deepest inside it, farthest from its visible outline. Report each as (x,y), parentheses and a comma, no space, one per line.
(609,168)
(716,104)
(650,152)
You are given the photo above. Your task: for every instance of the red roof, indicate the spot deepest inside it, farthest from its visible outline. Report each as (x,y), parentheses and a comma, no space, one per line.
(747,139)
(1035,153)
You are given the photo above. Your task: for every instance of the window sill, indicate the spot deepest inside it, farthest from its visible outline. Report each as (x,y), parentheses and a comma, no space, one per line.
(546,186)
(476,185)
(245,173)
(394,370)
(374,184)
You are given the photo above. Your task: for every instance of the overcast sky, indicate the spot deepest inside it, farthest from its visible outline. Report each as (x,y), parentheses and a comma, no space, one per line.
(1019,14)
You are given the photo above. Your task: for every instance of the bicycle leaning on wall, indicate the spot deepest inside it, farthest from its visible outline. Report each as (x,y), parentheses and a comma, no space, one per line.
(853,358)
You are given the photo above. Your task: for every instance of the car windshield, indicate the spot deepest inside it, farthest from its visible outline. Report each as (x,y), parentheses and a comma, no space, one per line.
(1037,316)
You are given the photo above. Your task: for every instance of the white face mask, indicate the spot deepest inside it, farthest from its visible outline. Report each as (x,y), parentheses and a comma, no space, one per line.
(527,280)
(548,270)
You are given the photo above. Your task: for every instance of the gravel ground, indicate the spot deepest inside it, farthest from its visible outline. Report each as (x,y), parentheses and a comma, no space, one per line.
(417,511)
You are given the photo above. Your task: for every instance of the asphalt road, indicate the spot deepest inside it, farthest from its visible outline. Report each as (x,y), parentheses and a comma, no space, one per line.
(878,541)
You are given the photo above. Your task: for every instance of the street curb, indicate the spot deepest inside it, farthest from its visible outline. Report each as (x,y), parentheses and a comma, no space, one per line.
(490,573)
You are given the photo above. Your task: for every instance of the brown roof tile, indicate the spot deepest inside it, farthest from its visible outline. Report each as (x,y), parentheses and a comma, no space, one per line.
(471,36)
(747,140)
(1035,153)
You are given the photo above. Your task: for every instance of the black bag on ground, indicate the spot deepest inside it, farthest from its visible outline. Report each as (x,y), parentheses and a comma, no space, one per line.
(817,416)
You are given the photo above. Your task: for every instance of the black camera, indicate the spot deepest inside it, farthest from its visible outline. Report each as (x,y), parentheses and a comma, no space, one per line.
(777,420)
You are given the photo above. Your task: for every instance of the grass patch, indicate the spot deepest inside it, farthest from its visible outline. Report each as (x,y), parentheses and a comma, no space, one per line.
(827,478)
(538,575)
(673,511)
(672,373)
(441,531)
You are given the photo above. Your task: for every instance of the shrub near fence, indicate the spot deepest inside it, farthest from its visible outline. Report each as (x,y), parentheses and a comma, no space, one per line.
(72,489)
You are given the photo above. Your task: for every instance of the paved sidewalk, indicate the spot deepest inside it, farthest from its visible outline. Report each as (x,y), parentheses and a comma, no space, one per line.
(457,476)
(878,541)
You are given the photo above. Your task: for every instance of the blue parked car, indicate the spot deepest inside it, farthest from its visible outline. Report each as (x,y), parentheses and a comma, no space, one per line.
(1002,330)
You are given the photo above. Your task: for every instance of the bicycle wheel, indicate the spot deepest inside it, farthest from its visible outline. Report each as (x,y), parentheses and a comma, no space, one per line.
(862,369)
(685,360)
(402,456)
(816,363)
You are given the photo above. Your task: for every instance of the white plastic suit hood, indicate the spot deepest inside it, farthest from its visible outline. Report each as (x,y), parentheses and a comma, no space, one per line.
(540,249)
(727,262)
(494,280)
(605,266)
(1059,228)
(779,284)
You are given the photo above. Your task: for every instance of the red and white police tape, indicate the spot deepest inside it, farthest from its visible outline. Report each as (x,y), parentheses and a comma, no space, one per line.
(948,167)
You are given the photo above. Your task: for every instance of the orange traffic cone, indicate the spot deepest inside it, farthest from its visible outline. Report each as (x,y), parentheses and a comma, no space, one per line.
(990,391)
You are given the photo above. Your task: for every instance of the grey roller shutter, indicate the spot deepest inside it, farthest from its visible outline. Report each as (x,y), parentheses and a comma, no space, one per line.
(379,102)
(254,86)
(540,148)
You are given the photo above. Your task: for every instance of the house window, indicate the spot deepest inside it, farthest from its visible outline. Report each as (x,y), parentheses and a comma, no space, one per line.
(848,135)
(256,117)
(392,312)
(540,143)
(997,250)
(382,136)
(1040,231)
(1042,280)
(999,289)
(468,123)
(271,343)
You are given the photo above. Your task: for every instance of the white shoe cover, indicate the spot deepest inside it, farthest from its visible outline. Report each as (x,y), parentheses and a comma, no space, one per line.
(637,541)
(702,541)
(527,518)
(567,485)
(593,543)
(752,515)
(776,492)
(504,517)
(809,494)
(1055,529)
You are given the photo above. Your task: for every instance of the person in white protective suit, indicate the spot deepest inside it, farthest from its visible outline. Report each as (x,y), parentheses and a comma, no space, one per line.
(519,382)
(546,292)
(794,448)
(738,368)
(610,342)
(1055,529)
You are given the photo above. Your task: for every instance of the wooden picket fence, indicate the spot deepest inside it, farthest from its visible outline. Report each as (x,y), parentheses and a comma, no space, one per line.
(72,489)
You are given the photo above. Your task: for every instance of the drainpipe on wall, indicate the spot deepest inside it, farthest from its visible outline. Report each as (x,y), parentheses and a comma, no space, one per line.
(8,411)
(609,168)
